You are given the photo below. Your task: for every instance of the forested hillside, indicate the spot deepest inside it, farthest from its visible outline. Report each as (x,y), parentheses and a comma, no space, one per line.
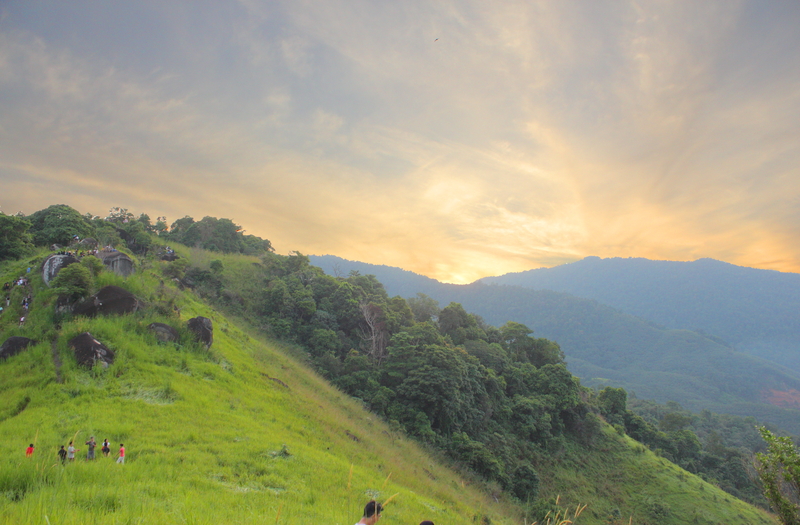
(604,346)
(497,403)
(755,311)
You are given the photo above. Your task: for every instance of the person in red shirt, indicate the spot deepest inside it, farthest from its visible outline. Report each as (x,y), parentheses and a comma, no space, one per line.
(121,458)
(29,451)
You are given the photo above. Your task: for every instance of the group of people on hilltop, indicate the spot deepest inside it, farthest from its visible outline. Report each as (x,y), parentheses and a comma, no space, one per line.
(77,254)
(372,513)
(68,453)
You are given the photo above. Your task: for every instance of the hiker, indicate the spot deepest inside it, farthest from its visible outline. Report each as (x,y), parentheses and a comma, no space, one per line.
(29,451)
(372,513)
(106,448)
(121,458)
(92,444)
(71,452)
(62,454)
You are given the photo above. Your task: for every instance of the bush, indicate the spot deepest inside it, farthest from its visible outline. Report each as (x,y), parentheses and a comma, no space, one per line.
(75,282)
(94,264)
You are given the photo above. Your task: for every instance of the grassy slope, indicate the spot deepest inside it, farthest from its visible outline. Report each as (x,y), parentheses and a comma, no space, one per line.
(201,434)
(620,474)
(204,430)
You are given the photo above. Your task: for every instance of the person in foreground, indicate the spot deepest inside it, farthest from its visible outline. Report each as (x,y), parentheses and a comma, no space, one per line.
(372,513)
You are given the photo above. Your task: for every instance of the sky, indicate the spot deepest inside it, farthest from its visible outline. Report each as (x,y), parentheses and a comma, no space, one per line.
(456,139)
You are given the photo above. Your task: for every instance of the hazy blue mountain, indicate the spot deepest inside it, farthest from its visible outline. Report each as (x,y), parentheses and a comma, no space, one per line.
(756,311)
(606,346)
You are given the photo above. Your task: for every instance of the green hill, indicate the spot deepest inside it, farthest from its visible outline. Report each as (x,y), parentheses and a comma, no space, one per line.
(245,433)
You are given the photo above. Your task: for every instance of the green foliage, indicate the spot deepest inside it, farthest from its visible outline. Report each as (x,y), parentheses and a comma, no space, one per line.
(779,470)
(94,264)
(176,269)
(15,241)
(219,235)
(74,281)
(424,308)
(605,346)
(58,224)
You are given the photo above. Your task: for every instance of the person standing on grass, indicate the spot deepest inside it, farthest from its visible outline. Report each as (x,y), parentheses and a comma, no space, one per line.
(62,454)
(121,458)
(71,452)
(92,444)
(106,448)
(372,513)
(29,451)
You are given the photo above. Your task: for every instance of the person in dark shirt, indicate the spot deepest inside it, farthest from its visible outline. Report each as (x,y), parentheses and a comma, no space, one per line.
(92,444)
(62,454)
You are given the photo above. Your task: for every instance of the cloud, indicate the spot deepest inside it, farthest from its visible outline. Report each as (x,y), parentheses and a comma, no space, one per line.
(457,139)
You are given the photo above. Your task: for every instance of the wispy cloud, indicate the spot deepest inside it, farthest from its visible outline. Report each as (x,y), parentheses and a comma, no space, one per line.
(456,139)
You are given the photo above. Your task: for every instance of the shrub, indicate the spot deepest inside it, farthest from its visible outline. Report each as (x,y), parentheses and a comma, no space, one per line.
(75,282)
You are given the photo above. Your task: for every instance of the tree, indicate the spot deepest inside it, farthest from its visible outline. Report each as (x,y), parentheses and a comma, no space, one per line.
(613,404)
(120,215)
(58,224)
(15,241)
(374,334)
(425,308)
(779,470)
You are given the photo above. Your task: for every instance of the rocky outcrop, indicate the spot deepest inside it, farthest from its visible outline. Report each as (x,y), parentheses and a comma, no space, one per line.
(14,345)
(164,332)
(203,329)
(53,264)
(87,243)
(90,352)
(109,300)
(117,262)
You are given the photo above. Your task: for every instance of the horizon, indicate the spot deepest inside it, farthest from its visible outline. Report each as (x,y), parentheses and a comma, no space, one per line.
(457,140)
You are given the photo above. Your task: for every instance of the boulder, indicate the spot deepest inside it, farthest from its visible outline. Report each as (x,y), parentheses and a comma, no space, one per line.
(89,351)
(164,332)
(88,243)
(117,262)
(203,329)
(14,345)
(53,264)
(109,300)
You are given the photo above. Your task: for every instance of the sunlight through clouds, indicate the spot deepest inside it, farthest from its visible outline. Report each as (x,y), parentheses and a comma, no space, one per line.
(457,140)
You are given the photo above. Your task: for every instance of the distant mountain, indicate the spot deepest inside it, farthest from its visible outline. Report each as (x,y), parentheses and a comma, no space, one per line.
(606,346)
(395,280)
(756,311)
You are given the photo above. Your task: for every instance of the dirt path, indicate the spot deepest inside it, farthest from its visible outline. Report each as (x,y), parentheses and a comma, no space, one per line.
(56,360)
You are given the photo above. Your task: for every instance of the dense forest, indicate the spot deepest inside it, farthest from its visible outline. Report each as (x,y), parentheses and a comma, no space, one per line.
(497,400)
(607,347)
